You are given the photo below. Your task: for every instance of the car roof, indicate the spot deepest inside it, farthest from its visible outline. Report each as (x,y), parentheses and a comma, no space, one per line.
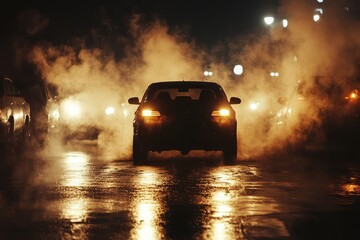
(183,83)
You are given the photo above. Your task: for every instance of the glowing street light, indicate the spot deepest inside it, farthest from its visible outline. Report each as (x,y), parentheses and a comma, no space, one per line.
(317,14)
(316,17)
(208,73)
(238,69)
(285,23)
(269,20)
(274,74)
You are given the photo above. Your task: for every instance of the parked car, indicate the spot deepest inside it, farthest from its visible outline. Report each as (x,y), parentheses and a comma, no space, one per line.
(45,113)
(14,115)
(184,116)
(343,124)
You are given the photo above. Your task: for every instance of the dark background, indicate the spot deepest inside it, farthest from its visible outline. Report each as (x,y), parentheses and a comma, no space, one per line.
(24,24)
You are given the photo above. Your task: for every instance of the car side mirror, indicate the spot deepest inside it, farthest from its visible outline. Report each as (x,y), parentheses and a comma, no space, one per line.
(134,100)
(235,100)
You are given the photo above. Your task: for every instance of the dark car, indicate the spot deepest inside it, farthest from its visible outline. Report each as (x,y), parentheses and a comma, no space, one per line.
(14,115)
(45,112)
(321,111)
(343,122)
(184,116)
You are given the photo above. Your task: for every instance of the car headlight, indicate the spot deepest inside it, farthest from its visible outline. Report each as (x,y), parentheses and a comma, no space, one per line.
(71,108)
(254,106)
(109,110)
(150,113)
(221,113)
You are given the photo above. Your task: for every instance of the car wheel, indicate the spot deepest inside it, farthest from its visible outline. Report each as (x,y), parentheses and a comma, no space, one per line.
(230,151)
(139,152)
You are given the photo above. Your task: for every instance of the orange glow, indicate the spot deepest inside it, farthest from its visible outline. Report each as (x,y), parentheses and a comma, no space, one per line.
(354,95)
(221,113)
(150,113)
(75,209)
(146,207)
(351,189)
(76,166)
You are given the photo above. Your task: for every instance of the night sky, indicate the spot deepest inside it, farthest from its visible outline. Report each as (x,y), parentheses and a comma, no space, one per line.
(24,24)
(206,20)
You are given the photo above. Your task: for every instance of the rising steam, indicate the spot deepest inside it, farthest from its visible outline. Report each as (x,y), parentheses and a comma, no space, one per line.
(154,52)
(97,79)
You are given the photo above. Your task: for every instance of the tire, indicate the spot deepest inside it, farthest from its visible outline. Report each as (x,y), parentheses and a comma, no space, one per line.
(139,152)
(230,151)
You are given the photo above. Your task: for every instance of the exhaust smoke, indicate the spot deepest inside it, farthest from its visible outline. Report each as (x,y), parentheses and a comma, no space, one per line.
(155,52)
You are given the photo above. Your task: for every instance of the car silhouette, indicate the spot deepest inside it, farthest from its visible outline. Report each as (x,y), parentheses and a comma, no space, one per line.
(184,116)
(14,115)
(45,114)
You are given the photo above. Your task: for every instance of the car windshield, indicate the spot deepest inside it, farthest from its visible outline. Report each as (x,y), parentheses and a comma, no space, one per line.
(184,92)
(174,93)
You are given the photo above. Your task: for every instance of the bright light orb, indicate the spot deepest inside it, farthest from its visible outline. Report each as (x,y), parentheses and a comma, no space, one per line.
(208,73)
(269,20)
(109,110)
(254,106)
(274,74)
(72,108)
(316,17)
(238,69)
(285,23)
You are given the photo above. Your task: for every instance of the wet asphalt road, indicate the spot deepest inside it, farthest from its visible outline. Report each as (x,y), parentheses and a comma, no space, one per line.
(77,194)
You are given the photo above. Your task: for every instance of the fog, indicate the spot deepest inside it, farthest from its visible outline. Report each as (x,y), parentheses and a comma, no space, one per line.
(154,51)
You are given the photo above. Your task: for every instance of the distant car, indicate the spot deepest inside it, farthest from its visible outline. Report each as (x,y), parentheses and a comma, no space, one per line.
(14,115)
(300,116)
(290,104)
(85,116)
(184,116)
(319,108)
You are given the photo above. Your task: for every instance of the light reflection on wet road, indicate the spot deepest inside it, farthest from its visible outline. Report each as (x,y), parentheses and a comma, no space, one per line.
(78,195)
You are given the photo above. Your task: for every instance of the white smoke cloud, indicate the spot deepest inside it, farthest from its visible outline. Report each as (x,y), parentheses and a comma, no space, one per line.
(154,52)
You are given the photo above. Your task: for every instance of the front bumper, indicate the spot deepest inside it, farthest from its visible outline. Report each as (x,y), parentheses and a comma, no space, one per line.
(186,136)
